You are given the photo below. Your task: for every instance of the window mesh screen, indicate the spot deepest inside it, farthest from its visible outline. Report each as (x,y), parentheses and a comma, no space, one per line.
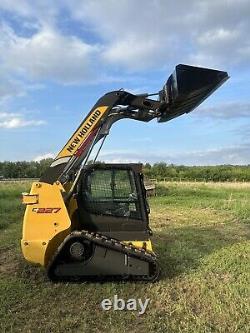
(112,192)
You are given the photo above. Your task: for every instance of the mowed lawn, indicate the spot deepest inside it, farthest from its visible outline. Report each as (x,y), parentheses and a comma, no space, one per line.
(201,234)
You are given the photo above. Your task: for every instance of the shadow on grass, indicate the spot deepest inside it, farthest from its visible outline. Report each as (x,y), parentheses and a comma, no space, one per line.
(181,250)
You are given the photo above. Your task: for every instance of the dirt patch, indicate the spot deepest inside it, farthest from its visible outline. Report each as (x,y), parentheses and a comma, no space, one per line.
(9,261)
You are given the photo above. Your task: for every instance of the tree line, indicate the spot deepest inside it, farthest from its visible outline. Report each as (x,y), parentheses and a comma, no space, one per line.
(24,169)
(159,171)
(215,173)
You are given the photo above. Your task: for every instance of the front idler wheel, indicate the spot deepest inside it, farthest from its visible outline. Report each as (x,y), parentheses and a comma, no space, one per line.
(80,251)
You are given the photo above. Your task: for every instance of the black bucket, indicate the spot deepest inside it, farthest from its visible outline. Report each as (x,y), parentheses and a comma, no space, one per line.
(186,88)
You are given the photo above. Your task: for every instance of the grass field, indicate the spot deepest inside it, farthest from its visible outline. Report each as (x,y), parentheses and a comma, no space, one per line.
(201,235)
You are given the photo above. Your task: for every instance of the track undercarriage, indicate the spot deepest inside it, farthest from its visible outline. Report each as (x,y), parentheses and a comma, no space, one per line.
(87,255)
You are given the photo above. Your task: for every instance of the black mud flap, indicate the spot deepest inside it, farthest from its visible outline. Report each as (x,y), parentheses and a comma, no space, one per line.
(186,88)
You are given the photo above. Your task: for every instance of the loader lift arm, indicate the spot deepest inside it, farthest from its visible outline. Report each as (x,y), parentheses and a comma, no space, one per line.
(110,108)
(184,90)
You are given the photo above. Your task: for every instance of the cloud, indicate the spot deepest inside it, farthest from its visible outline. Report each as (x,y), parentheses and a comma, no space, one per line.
(10,88)
(243,132)
(143,34)
(124,34)
(226,111)
(21,7)
(43,157)
(238,154)
(235,155)
(222,37)
(134,35)
(39,11)
(130,53)
(46,55)
(15,120)
(79,42)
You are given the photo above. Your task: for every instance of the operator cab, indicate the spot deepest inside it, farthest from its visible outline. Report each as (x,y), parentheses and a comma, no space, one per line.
(111,199)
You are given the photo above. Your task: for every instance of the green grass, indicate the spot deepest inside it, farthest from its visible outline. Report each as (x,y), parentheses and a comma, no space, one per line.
(201,235)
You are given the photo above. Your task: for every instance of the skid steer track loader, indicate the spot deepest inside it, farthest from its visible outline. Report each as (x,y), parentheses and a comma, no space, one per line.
(85,222)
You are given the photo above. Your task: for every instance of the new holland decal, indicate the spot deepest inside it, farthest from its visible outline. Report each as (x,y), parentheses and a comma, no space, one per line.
(82,133)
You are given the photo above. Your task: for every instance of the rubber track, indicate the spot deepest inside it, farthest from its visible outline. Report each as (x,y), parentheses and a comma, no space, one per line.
(111,244)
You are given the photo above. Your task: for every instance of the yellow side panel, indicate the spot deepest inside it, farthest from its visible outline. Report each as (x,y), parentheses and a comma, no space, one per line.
(46,223)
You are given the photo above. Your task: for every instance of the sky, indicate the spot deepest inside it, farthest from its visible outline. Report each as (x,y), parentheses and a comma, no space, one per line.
(58,57)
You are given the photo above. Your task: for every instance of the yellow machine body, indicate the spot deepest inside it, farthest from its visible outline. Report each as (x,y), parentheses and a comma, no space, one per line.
(47,222)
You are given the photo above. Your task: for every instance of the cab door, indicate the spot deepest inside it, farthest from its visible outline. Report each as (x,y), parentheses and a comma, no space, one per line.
(111,201)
